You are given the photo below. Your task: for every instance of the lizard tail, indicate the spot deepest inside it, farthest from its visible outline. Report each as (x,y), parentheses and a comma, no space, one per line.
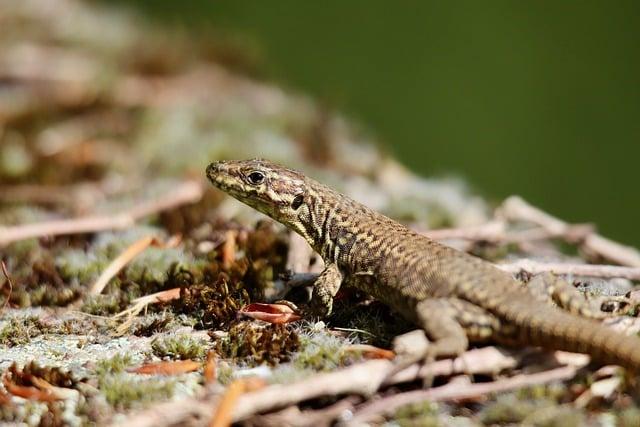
(549,327)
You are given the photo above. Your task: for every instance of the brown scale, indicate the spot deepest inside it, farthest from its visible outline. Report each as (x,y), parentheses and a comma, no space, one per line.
(453,296)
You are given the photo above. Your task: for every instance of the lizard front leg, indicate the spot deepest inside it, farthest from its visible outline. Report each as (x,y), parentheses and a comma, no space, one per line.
(325,287)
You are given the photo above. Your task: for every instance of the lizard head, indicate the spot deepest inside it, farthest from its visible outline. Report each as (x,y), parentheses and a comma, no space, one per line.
(271,189)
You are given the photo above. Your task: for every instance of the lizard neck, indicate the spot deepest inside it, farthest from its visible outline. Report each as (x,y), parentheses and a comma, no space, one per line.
(328,221)
(314,221)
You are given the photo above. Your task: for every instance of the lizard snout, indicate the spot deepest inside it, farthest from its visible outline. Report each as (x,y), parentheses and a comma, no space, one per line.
(215,170)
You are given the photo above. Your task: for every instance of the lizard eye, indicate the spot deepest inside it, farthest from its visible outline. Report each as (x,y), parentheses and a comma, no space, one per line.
(297,202)
(255,177)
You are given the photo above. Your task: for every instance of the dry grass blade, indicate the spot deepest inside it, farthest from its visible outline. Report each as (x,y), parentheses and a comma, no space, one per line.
(229,249)
(119,262)
(371,352)
(210,368)
(125,257)
(9,282)
(59,392)
(139,304)
(173,367)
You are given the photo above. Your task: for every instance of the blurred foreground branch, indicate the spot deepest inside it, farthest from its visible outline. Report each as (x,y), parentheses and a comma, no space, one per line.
(517,209)
(185,193)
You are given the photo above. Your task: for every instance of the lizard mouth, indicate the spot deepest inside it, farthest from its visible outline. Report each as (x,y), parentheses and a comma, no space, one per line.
(216,173)
(222,176)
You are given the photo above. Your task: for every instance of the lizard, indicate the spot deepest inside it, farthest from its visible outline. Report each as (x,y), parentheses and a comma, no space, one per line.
(455,297)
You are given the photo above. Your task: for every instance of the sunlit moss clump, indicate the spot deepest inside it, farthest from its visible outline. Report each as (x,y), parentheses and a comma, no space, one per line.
(321,351)
(106,304)
(254,343)
(629,417)
(181,346)
(154,323)
(123,390)
(126,391)
(20,330)
(424,414)
(114,365)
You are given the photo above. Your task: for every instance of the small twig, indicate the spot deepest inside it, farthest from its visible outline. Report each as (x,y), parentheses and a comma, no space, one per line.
(210,372)
(490,231)
(486,360)
(127,256)
(362,379)
(118,263)
(229,249)
(459,392)
(42,194)
(6,275)
(140,304)
(293,416)
(187,192)
(515,208)
(78,196)
(591,270)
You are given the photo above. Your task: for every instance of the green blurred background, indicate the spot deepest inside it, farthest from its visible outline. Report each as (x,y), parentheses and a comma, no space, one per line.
(537,98)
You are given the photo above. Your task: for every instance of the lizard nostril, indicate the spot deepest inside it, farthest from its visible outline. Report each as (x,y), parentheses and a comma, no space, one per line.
(213,169)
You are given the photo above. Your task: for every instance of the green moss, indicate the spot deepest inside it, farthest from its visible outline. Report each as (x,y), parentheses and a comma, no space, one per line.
(559,416)
(106,304)
(114,365)
(20,330)
(513,408)
(417,414)
(23,413)
(321,351)
(630,417)
(47,295)
(151,324)
(22,248)
(125,392)
(551,392)
(151,266)
(225,373)
(179,347)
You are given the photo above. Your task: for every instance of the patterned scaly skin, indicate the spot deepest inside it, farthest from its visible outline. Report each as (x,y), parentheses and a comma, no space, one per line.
(453,296)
